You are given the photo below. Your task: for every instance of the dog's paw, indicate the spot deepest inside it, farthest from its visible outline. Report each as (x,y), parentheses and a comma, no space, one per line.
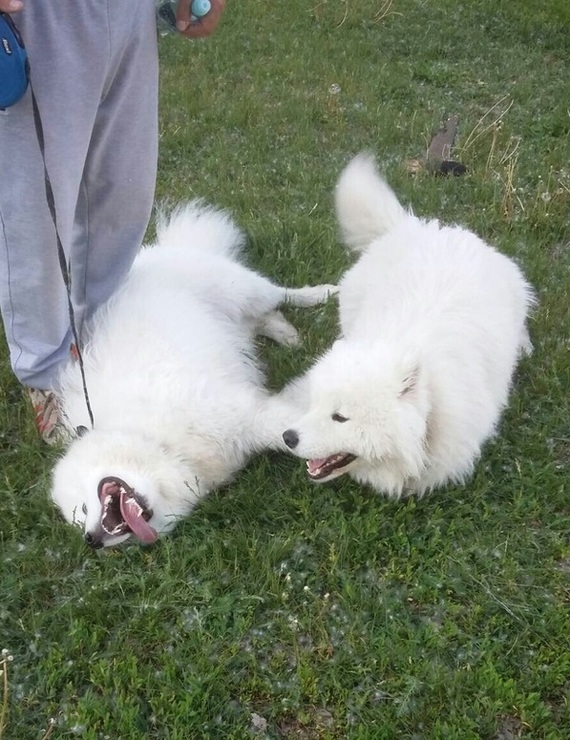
(329,290)
(310,295)
(275,326)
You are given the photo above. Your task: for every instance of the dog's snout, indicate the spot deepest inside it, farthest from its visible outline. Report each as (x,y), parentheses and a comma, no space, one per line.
(93,541)
(291,438)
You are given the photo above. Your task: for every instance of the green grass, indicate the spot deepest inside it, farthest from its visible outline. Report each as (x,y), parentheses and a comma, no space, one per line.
(328,611)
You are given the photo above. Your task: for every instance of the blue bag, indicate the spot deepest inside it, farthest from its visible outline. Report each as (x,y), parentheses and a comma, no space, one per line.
(14,67)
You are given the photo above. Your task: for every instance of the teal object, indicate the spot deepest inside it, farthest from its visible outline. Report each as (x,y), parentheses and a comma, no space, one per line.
(200,8)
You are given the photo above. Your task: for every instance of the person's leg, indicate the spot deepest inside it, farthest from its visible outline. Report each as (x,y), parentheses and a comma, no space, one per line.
(74,51)
(68,64)
(117,191)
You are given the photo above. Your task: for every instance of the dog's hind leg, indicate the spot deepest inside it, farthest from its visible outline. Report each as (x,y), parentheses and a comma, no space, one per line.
(310,295)
(275,326)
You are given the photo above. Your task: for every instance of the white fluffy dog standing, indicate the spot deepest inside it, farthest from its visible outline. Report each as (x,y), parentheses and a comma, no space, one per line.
(177,396)
(432,323)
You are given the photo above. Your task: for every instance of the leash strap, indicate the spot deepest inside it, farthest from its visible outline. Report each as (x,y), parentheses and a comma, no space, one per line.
(60,252)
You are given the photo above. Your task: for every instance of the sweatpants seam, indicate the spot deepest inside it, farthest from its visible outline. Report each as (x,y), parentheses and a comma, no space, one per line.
(106,83)
(84,286)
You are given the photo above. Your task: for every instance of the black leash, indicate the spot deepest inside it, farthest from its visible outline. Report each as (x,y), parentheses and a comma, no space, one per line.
(65,272)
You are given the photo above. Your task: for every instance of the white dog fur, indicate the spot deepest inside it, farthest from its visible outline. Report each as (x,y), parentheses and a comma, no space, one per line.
(432,323)
(176,392)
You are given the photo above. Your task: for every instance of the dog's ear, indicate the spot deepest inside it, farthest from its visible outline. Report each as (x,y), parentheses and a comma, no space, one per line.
(410,381)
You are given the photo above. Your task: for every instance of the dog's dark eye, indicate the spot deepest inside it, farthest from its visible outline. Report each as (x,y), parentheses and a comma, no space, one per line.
(339,417)
(84,509)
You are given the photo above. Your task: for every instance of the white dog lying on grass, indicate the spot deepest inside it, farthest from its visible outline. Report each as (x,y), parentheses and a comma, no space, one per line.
(433,321)
(177,397)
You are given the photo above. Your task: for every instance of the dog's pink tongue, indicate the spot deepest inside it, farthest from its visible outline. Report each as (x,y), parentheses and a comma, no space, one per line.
(314,465)
(133,516)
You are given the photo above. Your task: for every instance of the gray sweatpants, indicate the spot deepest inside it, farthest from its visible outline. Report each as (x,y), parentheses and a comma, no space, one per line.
(94,69)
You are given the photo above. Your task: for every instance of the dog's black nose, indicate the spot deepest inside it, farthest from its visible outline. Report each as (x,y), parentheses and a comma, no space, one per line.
(291,438)
(93,541)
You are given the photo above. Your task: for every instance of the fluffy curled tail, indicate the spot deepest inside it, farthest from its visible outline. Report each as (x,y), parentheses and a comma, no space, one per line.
(198,226)
(366,206)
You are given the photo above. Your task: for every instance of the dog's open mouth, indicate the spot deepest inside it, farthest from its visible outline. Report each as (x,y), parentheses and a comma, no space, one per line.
(321,468)
(123,511)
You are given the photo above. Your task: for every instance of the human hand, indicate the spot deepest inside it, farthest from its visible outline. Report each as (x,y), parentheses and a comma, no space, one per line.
(201,27)
(11,6)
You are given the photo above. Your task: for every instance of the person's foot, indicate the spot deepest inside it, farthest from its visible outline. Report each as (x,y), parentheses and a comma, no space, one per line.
(49,422)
